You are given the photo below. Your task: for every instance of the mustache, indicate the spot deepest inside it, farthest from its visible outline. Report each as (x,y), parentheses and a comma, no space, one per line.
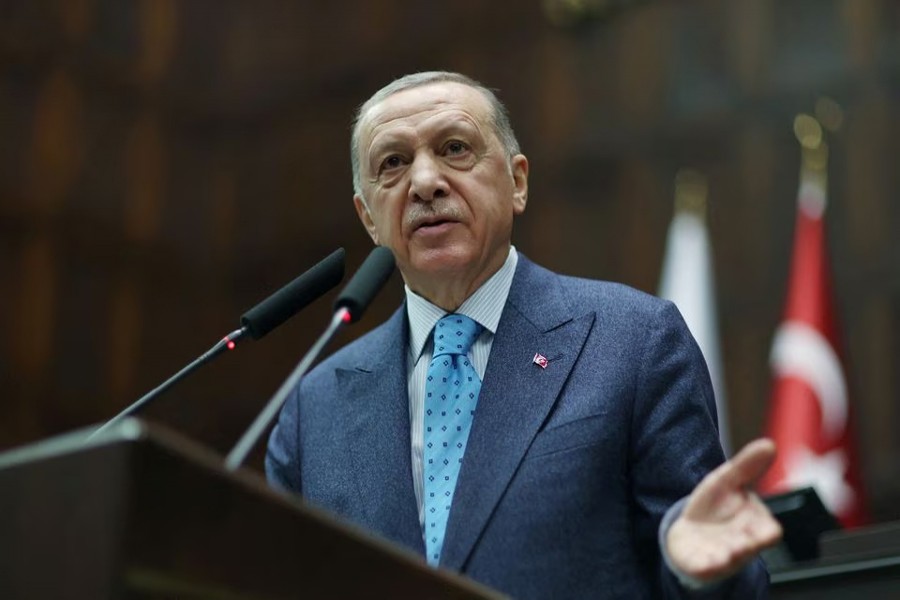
(420,214)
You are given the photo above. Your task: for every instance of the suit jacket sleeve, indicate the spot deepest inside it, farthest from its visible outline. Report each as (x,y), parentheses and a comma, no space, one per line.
(282,454)
(673,448)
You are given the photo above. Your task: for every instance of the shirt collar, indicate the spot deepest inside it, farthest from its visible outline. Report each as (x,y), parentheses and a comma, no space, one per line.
(484,306)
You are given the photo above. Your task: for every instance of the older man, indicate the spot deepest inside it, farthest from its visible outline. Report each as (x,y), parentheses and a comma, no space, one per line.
(548,436)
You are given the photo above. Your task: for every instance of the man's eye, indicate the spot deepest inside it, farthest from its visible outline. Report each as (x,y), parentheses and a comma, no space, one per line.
(391,162)
(455,147)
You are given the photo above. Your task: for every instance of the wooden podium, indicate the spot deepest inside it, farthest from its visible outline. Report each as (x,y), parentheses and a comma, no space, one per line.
(143,513)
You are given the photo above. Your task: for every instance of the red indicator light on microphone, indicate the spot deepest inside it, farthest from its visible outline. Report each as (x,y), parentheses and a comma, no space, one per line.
(346,318)
(230,345)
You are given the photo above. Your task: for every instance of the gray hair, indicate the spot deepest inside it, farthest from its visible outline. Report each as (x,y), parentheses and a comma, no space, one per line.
(499,114)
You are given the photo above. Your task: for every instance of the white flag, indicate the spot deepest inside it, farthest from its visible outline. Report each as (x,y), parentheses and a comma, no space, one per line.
(688,281)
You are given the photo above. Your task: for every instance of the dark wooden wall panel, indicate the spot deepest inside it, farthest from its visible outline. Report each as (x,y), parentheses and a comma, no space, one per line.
(165,165)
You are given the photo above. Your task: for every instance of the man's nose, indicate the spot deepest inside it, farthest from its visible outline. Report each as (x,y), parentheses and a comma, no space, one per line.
(427,181)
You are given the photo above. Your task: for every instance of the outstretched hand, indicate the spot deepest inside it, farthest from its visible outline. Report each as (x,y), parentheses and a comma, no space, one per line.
(724,524)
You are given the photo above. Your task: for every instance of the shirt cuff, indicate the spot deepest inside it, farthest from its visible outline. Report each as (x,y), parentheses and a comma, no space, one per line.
(689,582)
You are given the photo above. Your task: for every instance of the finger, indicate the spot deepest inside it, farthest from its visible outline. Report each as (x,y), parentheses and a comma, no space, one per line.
(710,551)
(753,531)
(716,562)
(735,549)
(757,535)
(712,564)
(750,463)
(706,562)
(763,528)
(743,469)
(765,534)
(743,547)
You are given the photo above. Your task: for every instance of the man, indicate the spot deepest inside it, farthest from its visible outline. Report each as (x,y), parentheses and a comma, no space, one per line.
(539,451)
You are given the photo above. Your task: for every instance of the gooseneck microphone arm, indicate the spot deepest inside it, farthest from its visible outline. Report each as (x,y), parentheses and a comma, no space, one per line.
(240,451)
(349,307)
(228,342)
(256,322)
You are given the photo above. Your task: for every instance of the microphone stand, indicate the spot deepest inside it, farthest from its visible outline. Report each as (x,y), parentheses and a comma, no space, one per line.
(240,451)
(228,342)
(257,322)
(349,307)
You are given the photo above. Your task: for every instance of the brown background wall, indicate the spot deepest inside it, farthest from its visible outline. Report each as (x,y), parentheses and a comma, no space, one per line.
(164,165)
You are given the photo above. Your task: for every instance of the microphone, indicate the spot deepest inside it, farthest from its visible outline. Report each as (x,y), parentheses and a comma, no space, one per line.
(257,322)
(371,277)
(289,300)
(351,303)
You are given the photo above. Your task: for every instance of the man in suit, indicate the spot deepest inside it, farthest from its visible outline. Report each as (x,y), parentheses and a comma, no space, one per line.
(580,457)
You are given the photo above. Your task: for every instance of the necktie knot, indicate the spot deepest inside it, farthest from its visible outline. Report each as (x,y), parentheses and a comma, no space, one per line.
(455,334)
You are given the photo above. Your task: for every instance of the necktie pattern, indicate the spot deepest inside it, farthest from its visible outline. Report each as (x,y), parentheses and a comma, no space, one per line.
(451,394)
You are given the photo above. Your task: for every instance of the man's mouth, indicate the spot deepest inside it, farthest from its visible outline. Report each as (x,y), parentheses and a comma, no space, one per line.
(428,222)
(434,224)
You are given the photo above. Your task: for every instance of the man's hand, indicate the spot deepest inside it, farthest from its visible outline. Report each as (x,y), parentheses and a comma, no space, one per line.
(724,525)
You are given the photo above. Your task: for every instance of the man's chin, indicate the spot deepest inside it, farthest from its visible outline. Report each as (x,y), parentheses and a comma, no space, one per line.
(443,265)
(441,262)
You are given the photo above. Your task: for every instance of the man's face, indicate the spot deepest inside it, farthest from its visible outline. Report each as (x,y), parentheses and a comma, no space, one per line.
(440,190)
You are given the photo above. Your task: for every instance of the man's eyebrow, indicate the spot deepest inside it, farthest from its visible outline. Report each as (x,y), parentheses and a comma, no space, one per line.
(456,125)
(383,143)
(393,141)
(380,148)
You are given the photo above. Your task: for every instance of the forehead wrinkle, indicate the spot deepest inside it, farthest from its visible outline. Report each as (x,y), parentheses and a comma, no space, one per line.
(439,124)
(431,98)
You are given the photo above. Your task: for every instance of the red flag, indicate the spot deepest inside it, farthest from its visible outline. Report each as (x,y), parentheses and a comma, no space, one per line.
(809,412)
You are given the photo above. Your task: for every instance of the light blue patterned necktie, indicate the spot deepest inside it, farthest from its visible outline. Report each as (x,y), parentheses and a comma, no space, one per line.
(451,394)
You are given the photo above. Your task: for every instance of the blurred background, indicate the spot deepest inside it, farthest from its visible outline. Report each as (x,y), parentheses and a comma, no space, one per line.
(165,165)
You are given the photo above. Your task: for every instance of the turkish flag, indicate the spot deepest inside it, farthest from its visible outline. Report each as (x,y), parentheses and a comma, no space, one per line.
(810,416)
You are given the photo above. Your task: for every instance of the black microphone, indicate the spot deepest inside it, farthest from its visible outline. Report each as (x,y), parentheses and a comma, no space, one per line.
(289,300)
(369,279)
(258,321)
(352,302)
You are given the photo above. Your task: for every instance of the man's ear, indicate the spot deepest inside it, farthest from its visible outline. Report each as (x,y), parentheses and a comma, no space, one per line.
(363,211)
(519,165)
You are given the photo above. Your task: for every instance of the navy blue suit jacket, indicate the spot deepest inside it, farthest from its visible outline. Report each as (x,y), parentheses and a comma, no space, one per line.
(568,468)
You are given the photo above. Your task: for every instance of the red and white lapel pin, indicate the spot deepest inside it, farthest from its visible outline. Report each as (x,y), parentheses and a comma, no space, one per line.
(540,360)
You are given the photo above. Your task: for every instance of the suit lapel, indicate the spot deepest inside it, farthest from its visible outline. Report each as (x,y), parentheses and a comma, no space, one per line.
(515,399)
(376,409)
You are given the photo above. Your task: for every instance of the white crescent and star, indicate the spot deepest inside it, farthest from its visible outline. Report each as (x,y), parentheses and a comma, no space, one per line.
(803,352)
